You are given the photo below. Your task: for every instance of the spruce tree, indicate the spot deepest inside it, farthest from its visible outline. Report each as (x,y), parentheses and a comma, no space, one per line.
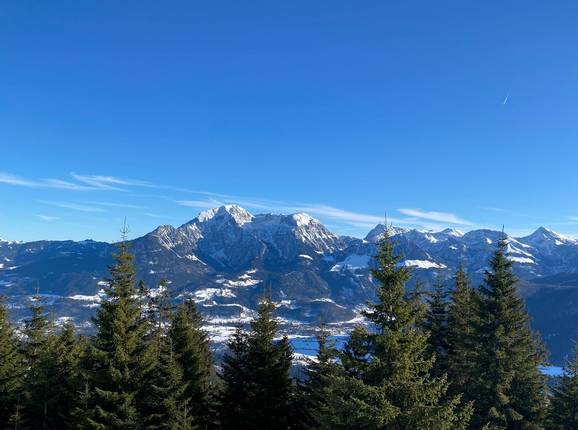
(54,377)
(436,324)
(327,391)
(257,390)
(11,373)
(462,343)
(38,348)
(167,405)
(563,410)
(120,357)
(68,379)
(509,390)
(392,362)
(191,348)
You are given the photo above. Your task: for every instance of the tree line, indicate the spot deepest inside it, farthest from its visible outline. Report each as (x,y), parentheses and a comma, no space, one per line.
(464,358)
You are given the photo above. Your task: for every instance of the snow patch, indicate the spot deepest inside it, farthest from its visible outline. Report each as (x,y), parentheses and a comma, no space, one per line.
(522,260)
(210,293)
(422,264)
(352,262)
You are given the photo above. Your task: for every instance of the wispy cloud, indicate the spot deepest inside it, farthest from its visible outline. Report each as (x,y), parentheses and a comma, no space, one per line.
(441,217)
(200,204)
(46,217)
(82,182)
(109,182)
(114,205)
(10,179)
(347,219)
(73,206)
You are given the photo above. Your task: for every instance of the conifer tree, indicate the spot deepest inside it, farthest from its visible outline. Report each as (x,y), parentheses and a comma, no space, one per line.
(257,390)
(53,380)
(167,405)
(11,373)
(462,344)
(510,391)
(436,324)
(392,361)
(191,348)
(326,391)
(38,347)
(67,354)
(120,357)
(563,409)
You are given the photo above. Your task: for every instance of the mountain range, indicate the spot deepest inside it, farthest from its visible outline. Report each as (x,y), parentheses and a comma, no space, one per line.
(226,258)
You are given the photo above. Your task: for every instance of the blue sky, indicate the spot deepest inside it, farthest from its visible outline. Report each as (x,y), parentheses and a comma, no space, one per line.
(441,113)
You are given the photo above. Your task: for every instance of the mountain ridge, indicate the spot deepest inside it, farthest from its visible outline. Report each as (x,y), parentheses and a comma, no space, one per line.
(226,257)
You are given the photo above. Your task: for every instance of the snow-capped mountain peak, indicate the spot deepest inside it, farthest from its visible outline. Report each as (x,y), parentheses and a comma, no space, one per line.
(376,234)
(452,232)
(236,213)
(546,240)
(543,234)
(302,219)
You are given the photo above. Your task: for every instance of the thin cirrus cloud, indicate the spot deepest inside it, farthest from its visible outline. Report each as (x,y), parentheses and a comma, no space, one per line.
(114,205)
(81,182)
(73,206)
(109,182)
(417,218)
(46,217)
(10,179)
(440,217)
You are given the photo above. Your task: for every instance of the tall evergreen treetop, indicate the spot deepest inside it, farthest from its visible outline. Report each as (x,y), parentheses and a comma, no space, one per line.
(191,348)
(393,357)
(36,329)
(258,390)
(511,389)
(120,356)
(462,342)
(436,324)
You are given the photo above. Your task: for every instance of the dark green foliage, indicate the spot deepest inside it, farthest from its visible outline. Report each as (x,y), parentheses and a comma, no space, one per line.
(53,381)
(563,411)
(191,348)
(167,406)
(257,390)
(11,373)
(333,400)
(462,345)
(319,378)
(38,348)
(388,380)
(436,324)
(120,358)
(509,390)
